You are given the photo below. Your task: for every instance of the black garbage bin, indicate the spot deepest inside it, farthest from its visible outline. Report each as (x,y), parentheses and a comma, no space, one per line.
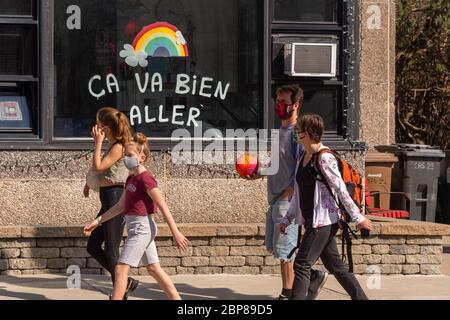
(416,174)
(443,203)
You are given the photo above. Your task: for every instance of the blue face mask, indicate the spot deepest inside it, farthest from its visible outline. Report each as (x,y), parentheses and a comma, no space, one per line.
(131,163)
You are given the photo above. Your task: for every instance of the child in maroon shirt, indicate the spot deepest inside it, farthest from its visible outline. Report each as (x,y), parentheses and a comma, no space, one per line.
(137,201)
(138,204)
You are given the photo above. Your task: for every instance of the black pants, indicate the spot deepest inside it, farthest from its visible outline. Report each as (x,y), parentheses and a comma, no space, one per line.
(321,243)
(110,233)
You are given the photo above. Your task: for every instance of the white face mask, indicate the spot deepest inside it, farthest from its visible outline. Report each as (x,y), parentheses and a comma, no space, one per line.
(131,162)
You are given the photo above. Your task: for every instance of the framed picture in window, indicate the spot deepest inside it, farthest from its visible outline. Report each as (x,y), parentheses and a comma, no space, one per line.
(14,114)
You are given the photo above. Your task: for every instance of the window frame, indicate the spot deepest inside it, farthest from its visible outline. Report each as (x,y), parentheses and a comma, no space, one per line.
(45,139)
(290,22)
(349,105)
(34,21)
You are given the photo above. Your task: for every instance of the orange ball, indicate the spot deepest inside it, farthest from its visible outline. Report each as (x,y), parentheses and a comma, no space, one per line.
(246,165)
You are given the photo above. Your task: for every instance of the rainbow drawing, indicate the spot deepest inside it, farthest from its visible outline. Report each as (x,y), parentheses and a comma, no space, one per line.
(161,39)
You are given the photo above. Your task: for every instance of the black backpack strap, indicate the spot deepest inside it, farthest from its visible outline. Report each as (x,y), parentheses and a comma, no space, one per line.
(347,240)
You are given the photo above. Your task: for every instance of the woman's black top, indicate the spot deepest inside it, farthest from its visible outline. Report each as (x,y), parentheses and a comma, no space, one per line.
(306,180)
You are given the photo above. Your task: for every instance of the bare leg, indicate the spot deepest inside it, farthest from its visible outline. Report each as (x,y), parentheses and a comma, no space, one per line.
(163,280)
(287,274)
(120,285)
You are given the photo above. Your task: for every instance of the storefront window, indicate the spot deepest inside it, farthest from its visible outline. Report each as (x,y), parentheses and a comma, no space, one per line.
(19,78)
(168,64)
(306,10)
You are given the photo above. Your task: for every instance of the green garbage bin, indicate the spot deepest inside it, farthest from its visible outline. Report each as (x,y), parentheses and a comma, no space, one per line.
(416,174)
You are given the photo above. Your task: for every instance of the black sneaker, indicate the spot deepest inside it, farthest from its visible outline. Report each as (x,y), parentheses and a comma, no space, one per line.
(317,283)
(131,286)
(282,297)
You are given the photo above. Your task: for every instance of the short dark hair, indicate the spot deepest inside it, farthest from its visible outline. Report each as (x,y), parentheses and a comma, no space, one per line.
(312,124)
(295,91)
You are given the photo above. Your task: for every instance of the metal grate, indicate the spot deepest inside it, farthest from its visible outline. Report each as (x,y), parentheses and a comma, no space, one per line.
(312,59)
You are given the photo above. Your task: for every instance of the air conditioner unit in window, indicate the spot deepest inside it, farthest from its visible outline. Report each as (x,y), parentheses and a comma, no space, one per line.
(310,59)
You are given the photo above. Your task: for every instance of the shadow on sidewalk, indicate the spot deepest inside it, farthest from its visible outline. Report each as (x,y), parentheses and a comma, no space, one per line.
(102,285)
(44,282)
(21,295)
(187,292)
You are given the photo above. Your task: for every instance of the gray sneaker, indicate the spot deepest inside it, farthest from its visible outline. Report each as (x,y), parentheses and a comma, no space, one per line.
(316,284)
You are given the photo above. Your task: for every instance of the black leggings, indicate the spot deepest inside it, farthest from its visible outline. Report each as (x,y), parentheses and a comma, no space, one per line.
(110,232)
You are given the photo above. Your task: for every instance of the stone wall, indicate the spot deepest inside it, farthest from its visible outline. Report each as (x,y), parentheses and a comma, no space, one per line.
(395,247)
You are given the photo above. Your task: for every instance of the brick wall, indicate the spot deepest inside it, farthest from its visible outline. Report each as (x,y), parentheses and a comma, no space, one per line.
(230,249)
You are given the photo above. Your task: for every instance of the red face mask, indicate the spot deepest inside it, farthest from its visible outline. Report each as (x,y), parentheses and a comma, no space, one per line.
(284,111)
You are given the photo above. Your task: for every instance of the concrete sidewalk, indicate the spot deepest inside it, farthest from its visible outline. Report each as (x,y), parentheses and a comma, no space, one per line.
(225,287)
(222,287)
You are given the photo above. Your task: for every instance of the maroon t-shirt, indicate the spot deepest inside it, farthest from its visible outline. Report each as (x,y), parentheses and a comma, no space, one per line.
(137,201)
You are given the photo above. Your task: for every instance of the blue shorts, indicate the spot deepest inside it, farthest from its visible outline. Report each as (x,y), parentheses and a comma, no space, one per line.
(280,244)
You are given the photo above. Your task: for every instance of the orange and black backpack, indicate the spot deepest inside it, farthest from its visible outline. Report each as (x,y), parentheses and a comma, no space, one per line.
(354,183)
(352,179)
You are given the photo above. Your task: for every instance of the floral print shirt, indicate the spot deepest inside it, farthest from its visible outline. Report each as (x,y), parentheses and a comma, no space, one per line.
(326,210)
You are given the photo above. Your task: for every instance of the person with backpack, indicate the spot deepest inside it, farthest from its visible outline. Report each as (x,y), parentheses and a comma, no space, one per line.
(280,188)
(320,195)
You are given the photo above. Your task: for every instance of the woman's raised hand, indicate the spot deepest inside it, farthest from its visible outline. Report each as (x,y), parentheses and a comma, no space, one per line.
(98,134)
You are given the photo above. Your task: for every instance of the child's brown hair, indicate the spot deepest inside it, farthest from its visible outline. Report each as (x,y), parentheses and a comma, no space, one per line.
(117,122)
(140,142)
